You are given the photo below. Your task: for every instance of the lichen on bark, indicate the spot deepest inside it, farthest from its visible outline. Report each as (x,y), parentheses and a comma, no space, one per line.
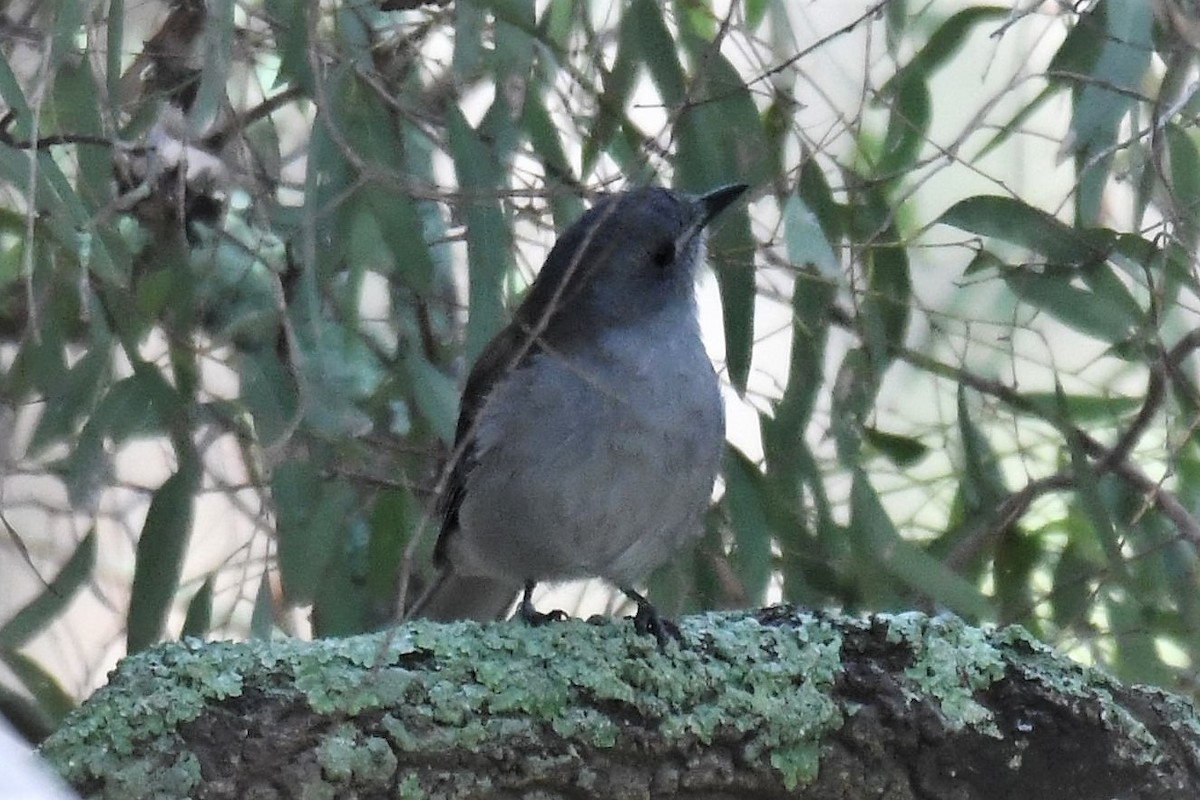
(771,703)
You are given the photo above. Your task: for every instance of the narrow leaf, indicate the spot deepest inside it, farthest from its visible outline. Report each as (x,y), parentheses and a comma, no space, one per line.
(657,49)
(161,548)
(198,621)
(903,451)
(489,239)
(906,561)
(1019,223)
(311,516)
(1087,312)
(37,614)
(51,697)
(263,615)
(745,498)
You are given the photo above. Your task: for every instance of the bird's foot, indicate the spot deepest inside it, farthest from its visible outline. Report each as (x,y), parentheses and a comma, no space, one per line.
(648,621)
(531,616)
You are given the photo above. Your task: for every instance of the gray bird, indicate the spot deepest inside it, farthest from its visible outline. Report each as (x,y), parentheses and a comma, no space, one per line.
(591,428)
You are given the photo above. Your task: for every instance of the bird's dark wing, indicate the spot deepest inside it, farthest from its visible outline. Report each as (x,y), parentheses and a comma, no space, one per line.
(558,281)
(506,352)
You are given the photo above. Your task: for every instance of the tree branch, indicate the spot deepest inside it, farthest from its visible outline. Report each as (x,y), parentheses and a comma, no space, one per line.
(767,704)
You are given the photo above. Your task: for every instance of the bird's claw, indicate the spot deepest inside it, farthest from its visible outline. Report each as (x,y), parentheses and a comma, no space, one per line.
(648,621)
(534,618)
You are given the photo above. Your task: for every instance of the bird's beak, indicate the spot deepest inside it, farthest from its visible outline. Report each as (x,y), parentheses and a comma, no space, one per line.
(718,200)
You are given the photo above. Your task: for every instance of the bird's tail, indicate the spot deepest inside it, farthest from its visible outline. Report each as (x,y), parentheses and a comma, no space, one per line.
(453,597)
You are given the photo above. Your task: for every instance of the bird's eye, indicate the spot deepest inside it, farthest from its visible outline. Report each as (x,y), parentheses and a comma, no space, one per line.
(663,255)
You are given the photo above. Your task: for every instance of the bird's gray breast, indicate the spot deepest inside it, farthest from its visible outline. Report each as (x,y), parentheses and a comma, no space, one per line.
(598,461)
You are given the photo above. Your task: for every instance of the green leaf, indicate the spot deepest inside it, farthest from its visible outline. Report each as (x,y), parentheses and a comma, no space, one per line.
(516,26)
(1018,556)
(1090,500)
(812,306)
(1097,315)
(903,451)
(1072,596)
(1184,184)
(340,606)
(435,395)
(73,397)
(656,49)
(897,15)
(161,548)
(1136,658)
(907,91)
(1019,223)
(618,84)
(558,23)
(812,302)
(853,394)
(311,519)
(139,405)
(805,239)
(887,305)
(51,698)
(218,39)
(697,19)
(1082,408)
(368,125)
(78,113)
(338,371)
(395,516)
(943,44)
(37,614)
(269,393)
(745,496)
(401,228)
(1017,123)
(263,615)
(983,486)
(544,138)
(489,238)
(756,11)
(469,22)
(291,35)
(908,127)
(1117,34)
(14,98)
(905,560)
(198,621)
(731,252)
(1105,92)
(721,140)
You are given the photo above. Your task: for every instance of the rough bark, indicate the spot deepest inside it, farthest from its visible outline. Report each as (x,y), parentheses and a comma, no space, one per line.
(774,703)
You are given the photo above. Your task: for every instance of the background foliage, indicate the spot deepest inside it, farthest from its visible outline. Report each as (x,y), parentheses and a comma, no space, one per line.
(247,248)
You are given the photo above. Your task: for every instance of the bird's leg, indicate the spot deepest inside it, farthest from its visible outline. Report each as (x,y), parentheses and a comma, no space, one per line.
(530,615)
(647,620)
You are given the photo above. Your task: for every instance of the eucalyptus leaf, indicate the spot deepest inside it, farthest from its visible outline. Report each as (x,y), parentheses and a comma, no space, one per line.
(161,548)
(905,560)
(38,613)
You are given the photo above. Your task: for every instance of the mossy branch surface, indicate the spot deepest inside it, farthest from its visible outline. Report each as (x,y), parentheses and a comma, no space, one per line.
(773,703)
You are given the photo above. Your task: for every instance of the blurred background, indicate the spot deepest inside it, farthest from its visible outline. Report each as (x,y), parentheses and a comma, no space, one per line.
(248,249)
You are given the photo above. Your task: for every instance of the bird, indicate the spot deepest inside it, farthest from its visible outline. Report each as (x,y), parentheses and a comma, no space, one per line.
(591,428)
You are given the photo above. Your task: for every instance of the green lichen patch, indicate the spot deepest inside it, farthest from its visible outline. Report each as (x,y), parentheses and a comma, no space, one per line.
(350,758)
(951,662)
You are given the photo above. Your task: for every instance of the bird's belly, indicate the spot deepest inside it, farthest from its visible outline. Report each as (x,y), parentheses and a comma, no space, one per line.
(599,478)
